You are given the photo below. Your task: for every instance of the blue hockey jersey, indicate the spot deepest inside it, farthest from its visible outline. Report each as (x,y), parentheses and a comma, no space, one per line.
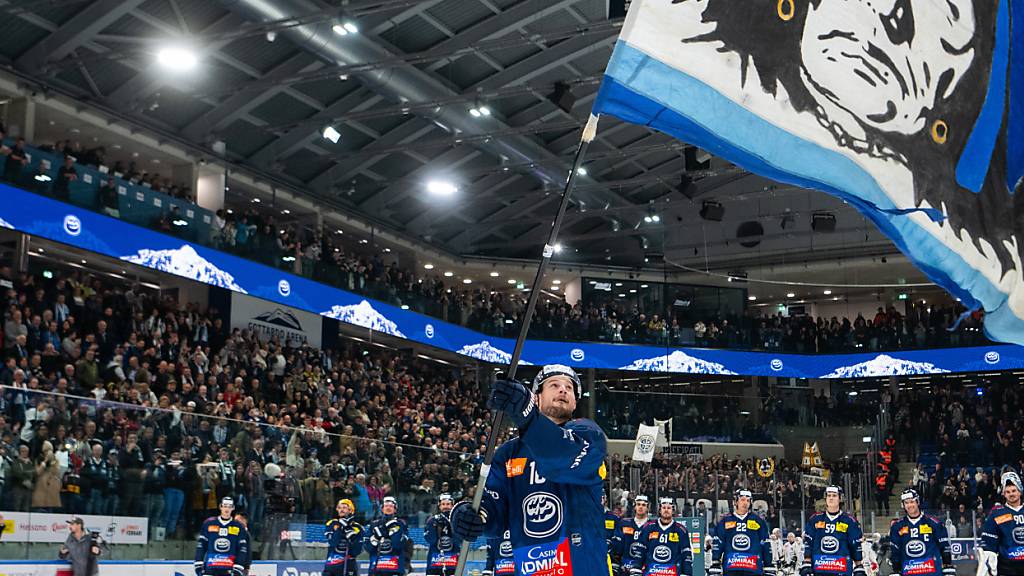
(1003,534)
(666,549)
(613,534)
(443,552)
(630,549)
(344,542)
(742,543)
(918,546)
(387,545)
(833,543)
(499,556)
(222,547)
(545,488)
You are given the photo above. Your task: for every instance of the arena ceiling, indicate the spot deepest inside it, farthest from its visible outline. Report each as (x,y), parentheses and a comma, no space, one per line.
(404,87)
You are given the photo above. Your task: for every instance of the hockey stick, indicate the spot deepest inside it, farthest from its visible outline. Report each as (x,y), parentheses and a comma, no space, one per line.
(497,420)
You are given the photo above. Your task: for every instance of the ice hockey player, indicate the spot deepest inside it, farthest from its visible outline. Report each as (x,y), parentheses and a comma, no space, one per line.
(632,552)
(918,544)
(387,541)
(344,541)
(443,552)
(223,545)
(613,535)
(1002,534)
(666,545)
(499,557)
(544,485)
(740,541)
(832,540)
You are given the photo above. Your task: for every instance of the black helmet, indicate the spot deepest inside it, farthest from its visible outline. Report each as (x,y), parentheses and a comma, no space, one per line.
(558,370)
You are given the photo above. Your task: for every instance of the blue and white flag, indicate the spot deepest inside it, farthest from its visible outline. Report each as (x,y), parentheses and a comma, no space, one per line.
(911,111)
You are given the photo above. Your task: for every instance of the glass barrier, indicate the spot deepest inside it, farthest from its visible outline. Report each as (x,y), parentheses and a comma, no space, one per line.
(619,311)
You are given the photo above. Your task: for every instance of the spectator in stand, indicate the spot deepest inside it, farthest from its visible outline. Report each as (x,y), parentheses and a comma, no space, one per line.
(16,161)
(66,174)
(108,198)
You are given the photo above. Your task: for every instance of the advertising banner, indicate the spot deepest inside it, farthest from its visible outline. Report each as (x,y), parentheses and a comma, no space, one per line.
(46,218)
(269,320)
(42,527)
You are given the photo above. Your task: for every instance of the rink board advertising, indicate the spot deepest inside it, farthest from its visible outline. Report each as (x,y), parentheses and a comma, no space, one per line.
(41,216)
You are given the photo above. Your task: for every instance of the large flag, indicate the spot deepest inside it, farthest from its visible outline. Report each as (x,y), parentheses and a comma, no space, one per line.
(913,112)
(646,440)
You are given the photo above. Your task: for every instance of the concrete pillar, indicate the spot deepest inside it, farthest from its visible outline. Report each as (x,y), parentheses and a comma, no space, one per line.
(21,253)
(210,182)
(21,119)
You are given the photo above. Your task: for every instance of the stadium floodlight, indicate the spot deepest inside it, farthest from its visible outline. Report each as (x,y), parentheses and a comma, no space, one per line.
(176,58)
(827,292)
(582,171)
(558,248)
(351,27)
(441,188)
(495,274)
(330,133)
(790,295)
(339,30)
(428,266)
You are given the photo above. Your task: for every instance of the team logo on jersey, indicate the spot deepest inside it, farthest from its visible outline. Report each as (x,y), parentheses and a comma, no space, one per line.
(1018,534)
(661,553)
(72,225)
(506,548)
(385,546)
(429,330)
(915,548)
(577,355)
(741,542)
(444,543)
(221,544)
(542,514)
(829,544)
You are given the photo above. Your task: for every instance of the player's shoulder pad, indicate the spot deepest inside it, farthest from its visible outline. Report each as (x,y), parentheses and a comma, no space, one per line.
(584,426)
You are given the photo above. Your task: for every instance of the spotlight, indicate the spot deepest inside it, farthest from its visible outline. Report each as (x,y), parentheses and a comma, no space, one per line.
(352,28)
(827,292)
(511,281)
(480,110)
(441,188)
(449,274)
(178,59)
(330,133)
(344,29)
(428,266)
(582,171)
(467,281)
(790,295)
(558,248)
(495,274)
(271,36)
(752,298)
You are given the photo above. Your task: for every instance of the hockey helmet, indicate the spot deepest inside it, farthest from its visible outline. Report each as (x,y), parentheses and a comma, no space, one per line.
(445,497)
(228,502)
(551,370)
(641,498)
(834,489)
(1011,477)
(909,494)
(741,493)
(669,501)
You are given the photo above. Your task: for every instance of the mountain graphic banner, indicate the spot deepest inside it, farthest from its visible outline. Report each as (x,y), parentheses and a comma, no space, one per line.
(912,112)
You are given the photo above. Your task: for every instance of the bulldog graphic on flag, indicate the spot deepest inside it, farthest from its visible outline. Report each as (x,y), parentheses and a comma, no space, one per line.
(912,111)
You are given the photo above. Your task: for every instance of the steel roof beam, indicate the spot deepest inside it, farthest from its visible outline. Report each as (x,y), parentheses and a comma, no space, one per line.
(75,32)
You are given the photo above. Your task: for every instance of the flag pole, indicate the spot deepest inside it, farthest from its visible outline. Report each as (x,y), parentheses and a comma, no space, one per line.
(497,420)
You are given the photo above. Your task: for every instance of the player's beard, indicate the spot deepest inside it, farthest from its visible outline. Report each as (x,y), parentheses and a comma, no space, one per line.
(556,412)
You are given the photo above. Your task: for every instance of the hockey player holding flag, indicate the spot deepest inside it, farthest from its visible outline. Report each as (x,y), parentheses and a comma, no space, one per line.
(544,485)
(666,545)
(918,544)
(832,540)
(344,541)
(740,541)
(631,549)
(1002,535)
(443,552)
(223,545)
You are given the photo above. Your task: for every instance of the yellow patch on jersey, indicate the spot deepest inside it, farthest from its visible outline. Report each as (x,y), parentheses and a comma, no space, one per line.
(1003,519)
(654,536)
(820,524)
(753,525)
(730,525)
(515,467)
(602,471)
(673,537)
(212,528)
(627,530)
(841,526)
(926,529)
(233,530)
(609,524)
(904,531)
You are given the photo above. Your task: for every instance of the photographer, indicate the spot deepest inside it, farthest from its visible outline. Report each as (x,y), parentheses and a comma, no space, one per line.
(81,549)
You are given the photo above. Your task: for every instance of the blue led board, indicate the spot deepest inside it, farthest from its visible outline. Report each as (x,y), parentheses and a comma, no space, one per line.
(41,216)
